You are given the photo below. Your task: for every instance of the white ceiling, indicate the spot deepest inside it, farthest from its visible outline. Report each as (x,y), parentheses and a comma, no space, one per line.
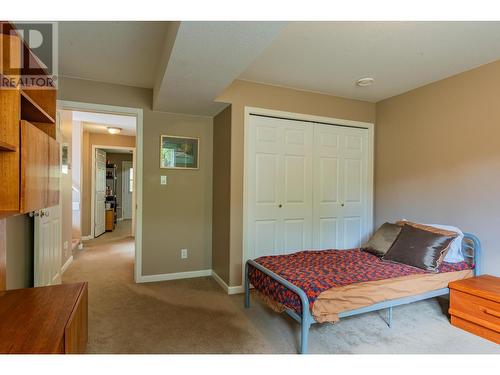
(206,57)
(329,57)
(188,64)
(98,122)
(115,52)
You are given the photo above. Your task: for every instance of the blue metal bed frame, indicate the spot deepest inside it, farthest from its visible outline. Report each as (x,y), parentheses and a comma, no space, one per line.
(471,248)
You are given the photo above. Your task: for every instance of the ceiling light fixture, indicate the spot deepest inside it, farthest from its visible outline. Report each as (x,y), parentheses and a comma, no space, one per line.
(113,130)
(363,82)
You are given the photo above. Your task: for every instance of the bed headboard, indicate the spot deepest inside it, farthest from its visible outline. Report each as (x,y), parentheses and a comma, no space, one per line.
(471,248)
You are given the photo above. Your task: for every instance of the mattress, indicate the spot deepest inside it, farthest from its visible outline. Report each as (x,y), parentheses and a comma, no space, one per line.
(341,280)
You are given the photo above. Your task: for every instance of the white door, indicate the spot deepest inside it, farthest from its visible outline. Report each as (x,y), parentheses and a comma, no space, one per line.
(47,262)
(280,195)
(307,186)
(341,191)
(127,189)
(47,235)
(100,193)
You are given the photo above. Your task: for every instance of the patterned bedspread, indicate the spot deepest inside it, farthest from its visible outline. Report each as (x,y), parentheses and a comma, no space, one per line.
(317,271)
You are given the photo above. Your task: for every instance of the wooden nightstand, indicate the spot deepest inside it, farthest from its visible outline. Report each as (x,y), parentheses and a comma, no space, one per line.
(475,306)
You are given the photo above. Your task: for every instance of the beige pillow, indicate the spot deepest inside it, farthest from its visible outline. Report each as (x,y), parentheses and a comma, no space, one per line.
(428,228)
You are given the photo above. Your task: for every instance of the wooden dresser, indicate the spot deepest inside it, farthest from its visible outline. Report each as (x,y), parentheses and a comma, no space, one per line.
(51,320)
(475,306)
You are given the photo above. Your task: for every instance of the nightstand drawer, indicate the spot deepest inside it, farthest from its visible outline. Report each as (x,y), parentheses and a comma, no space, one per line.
(480,309)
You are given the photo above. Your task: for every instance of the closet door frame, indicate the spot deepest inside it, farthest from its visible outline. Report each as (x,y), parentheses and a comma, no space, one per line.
(300,117)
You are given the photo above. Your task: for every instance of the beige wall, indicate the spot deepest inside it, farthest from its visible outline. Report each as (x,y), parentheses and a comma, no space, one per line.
(221,190)
(19,252)
(175,216)
(89,140)
(438,156)
(241,94)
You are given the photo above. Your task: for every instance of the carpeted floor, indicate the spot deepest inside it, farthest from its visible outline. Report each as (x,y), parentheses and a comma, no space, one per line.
(196,316)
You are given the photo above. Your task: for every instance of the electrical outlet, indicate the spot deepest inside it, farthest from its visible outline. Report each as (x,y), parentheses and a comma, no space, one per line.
(184,253)
(65,245)
(163,180)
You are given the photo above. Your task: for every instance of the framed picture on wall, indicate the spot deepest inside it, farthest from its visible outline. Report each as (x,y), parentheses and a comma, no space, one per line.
(179,152)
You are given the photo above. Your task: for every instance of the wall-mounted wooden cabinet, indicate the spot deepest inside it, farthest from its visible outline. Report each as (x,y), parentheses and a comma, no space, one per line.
(39,169)
(29,152)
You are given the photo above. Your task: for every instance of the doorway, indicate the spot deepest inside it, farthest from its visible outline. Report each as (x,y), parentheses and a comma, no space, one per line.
(114,193)
(91,117)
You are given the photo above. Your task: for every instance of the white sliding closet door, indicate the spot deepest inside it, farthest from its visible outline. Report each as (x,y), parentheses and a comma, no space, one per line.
(308,186)
(341,186)
(280,191)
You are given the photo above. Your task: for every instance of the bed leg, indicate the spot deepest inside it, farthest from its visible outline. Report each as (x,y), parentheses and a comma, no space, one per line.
(304,335)
(247,288)
(389,320)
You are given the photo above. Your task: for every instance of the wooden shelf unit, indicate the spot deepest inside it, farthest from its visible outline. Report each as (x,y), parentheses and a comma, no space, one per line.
(29,152)
(32,111)
(4,146)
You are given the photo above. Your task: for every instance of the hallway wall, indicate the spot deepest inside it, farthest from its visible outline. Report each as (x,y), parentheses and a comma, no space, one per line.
(177,215)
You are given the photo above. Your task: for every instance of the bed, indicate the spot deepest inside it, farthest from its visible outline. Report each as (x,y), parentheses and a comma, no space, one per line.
(327,285)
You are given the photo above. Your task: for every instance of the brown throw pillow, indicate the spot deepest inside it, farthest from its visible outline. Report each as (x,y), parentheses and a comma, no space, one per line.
(419,248)
(382,239)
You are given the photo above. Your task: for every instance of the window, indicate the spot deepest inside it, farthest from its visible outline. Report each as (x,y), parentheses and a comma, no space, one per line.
(131,180)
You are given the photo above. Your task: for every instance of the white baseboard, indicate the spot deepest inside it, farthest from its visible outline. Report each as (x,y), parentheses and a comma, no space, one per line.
(173,276)
(86,238)
(67,264)
(228,289)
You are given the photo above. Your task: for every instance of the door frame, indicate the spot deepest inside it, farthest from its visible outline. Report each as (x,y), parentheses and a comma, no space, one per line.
(133,186)
(138,164)
(92,193)
(301,117)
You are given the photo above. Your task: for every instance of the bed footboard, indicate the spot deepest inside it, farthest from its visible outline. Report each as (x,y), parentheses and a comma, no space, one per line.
(305,319)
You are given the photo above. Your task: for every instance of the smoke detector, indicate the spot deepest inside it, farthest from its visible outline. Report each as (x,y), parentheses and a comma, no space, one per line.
(366,81)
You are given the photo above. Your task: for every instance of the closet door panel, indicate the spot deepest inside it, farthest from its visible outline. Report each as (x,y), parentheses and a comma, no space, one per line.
(327,185)
(296,205)
(355,186)
(353,172)
(264,187)
(353,229)
(266,237)
(295,236)
(328,233)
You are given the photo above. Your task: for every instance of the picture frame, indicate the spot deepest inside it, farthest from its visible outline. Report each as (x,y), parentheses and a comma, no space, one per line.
(178,152)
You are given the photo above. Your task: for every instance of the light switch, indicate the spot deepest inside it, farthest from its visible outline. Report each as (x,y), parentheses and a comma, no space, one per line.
(163,180)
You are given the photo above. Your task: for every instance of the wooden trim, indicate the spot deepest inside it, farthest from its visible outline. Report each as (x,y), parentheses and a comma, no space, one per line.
(3,255)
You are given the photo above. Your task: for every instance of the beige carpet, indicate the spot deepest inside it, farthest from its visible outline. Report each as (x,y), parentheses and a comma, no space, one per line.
(196,316)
